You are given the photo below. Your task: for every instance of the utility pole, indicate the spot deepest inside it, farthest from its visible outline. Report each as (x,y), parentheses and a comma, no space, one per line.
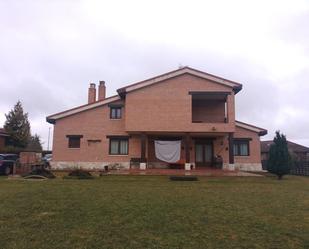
(48,138)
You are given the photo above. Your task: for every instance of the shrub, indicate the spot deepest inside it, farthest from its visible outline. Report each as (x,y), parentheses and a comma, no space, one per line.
(42,172)
(79,174)
(183,178)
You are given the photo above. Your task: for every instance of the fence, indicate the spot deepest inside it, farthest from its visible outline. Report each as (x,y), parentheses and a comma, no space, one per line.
(300,168)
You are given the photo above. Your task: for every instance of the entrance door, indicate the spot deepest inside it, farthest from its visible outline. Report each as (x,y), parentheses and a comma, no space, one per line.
(203,153)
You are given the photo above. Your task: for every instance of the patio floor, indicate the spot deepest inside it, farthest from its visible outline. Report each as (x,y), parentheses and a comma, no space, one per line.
(197,172)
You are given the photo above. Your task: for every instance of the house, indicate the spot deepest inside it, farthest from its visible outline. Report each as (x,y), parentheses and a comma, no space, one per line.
(3,136)
(192,107)
(299,152)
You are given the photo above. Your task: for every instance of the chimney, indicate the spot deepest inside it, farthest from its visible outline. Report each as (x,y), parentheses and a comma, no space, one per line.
(91,93)
(101,90)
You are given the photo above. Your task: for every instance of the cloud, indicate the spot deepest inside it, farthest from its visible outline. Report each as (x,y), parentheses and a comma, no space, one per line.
(51,50)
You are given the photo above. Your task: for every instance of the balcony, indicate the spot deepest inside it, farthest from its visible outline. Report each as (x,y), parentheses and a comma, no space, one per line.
(209,107)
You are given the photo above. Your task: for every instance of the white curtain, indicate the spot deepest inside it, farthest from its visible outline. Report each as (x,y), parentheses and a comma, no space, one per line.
(168,151)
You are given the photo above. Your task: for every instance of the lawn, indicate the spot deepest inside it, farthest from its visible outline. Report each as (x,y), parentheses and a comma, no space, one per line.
(153,212)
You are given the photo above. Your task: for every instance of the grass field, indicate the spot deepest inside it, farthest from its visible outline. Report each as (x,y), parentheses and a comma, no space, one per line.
(153,212)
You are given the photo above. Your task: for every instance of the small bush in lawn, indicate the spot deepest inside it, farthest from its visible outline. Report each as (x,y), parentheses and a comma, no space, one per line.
(42,172)
(79,174)
(183,178)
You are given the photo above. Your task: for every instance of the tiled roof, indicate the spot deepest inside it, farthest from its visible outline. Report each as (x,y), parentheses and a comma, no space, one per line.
(265,146)
(260,131)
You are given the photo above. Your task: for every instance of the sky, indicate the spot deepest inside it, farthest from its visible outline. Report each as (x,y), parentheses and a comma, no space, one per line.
(51,50)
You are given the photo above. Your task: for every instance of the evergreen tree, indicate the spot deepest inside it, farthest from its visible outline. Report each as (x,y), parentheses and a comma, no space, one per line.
(17,126)
(35,144)
(279,161)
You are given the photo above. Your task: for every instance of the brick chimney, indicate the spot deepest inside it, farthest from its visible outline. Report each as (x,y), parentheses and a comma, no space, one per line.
(92,93)
(101,90)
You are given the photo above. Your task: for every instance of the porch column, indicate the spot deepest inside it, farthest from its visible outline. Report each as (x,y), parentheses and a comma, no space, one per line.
(187,147)
(143,147)
(231,145)
(142,164)
(187,151)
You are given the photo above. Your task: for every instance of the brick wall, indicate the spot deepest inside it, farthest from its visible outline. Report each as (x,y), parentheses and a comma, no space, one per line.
(167,106)
(93,124)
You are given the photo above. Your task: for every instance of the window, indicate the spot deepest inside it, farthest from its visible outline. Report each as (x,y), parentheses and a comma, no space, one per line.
(74,141)
(241,147)
(115,112)
(118,146)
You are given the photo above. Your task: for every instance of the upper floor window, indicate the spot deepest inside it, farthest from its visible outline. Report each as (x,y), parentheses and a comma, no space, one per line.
(74,141)
(115,112)
(241,147)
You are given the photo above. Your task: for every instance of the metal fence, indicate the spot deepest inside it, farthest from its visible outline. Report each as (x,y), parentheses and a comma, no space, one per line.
(300,168)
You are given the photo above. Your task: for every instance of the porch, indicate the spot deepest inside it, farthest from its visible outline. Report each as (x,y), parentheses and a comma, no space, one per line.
(198,151)
(181,172)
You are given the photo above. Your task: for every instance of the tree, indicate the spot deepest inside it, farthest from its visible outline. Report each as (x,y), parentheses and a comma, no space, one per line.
(17,126)
(279,161)
(35,144)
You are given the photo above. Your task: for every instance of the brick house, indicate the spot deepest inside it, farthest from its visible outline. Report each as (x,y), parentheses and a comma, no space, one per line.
(193,107)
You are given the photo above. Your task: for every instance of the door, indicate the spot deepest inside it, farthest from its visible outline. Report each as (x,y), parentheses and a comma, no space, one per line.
(203,153)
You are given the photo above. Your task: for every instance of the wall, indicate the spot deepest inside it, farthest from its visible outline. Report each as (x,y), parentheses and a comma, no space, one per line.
(212,111)
(253,161)
(167,106)
(92,124)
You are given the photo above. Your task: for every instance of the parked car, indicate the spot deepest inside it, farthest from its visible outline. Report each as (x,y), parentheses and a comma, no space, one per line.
(46,159)
(7,162)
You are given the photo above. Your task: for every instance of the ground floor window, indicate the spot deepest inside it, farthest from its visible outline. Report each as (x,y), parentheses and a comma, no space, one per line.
(74,141)
(118,146)
(241,147)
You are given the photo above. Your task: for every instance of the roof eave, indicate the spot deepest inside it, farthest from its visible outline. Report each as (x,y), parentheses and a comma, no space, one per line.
(122,92)
(262,133)
(237,89)
(50,120)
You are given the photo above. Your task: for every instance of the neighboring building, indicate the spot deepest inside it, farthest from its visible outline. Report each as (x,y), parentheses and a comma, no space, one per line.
(300,152)
(3,136)
(186,104)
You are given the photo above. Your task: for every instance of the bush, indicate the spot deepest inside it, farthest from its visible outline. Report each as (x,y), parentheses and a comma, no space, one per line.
(79,174)
(183,178)
(42,172)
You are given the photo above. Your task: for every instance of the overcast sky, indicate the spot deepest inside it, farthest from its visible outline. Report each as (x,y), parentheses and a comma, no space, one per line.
(51,50)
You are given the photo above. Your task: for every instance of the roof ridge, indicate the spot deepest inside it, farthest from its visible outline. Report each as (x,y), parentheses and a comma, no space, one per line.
(121,91)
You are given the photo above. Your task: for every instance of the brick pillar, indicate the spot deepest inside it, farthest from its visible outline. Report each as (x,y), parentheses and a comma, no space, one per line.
(187,147)
(143,147)
(231,145)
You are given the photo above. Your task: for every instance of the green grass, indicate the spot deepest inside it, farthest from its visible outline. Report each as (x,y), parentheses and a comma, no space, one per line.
(153,212)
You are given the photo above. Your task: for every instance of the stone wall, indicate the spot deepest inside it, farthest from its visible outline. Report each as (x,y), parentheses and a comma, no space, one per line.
(248,166)
(88,165)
